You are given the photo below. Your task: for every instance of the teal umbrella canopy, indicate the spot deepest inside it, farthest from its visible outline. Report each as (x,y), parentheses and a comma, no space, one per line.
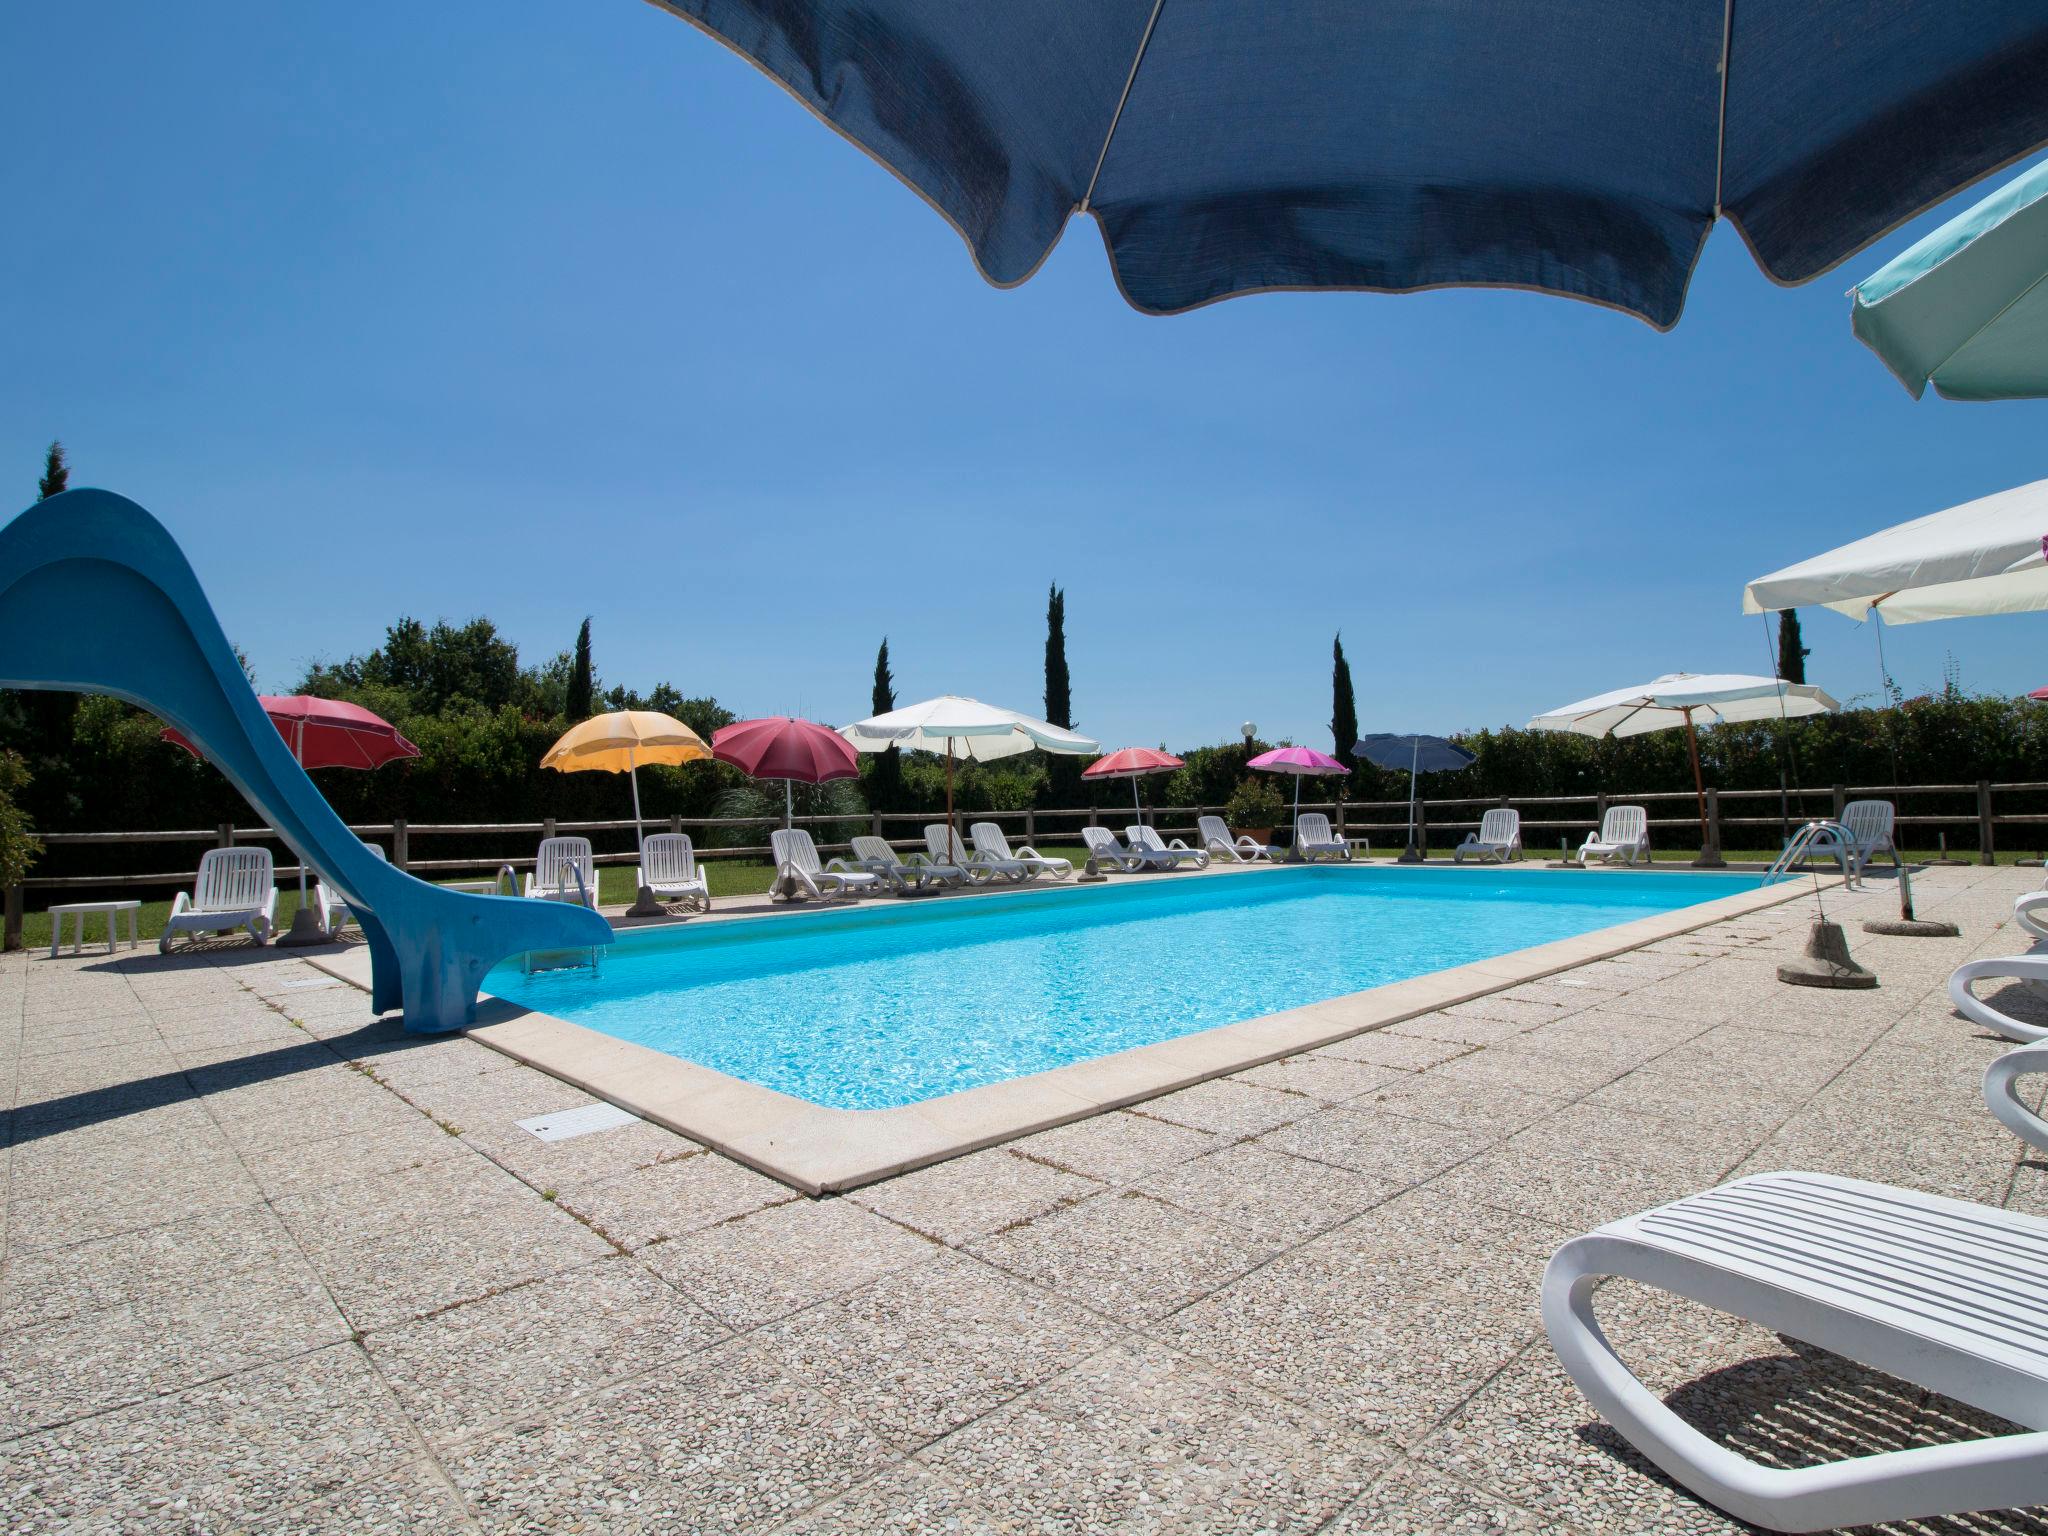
(1966,309)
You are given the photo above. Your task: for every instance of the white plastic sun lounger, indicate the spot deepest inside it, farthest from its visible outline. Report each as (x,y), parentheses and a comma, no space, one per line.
(564,870)
(1108,853)
(1216,838)
(942,845)
(797,871)
(876,856)
(1146,840)
(235,888)
(668,869)
(1499,837)
(328,903)
(1624,834)
(990,841)
(1869,825)
(1943,1293)
(2030,968)
(1313,838)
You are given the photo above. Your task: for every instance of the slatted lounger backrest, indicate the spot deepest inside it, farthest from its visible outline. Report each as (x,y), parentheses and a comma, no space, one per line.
(561,860)
(1500,827)
(1313,827)
(989,839)
(1625,824)
(1869,821)
(793,846)
(233,879)
(668,858)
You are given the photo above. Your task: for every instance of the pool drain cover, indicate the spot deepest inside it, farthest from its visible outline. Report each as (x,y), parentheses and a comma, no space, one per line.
(581,1121)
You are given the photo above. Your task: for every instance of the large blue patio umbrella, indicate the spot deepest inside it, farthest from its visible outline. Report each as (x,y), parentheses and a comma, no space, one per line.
(1581,148)
(1966,309)
(1418,754)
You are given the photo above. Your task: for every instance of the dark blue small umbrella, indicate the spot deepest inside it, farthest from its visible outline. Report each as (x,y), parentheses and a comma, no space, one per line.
(1418,754)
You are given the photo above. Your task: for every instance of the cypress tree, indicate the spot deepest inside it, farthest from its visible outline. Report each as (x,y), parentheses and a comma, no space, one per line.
(56,473)
(1792,653)
(579,705)
(1059,694)
(1343,705)
(885,781)
(1063,773)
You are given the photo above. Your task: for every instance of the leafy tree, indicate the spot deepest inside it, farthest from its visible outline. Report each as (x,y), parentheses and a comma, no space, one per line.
(1792,653)
(582,686)
(1343,705)
(18,845)
(56,473)
(885,771)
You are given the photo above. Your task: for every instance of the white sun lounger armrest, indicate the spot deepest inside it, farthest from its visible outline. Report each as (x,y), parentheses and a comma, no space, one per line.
(2031,968)
(2030,914)
(2002,1095)
(1924,1287)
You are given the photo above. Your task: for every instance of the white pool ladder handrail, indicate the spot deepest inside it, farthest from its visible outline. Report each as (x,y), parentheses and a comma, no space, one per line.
(1818,838)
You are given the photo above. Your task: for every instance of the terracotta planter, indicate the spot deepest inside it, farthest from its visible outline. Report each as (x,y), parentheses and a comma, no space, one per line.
(1260,835)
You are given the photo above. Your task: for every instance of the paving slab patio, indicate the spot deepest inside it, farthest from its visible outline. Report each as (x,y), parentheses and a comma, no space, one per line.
(270,1264)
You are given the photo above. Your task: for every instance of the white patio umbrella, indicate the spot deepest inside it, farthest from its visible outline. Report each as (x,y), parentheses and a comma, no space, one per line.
(1983,557)
(964,728)
(1687,698)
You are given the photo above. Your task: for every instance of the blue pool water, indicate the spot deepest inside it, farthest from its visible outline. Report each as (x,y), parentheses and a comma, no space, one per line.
(893,1003)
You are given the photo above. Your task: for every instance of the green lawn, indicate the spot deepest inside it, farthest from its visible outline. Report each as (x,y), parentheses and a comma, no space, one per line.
(736,877)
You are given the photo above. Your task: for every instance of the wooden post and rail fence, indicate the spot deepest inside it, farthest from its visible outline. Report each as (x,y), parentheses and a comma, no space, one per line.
(1959,819)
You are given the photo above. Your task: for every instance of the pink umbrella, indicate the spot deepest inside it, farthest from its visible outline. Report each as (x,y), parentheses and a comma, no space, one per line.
(1132,763)
(2041,694)
(325,733)
(1302,762)
(794,751)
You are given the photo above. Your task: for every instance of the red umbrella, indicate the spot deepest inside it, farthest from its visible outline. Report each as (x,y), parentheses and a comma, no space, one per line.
(1132,763)
(326,733)
(794,751)
(322,733)
(2041,694)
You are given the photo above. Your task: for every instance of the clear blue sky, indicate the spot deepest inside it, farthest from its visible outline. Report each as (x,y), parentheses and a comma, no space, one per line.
(543,310)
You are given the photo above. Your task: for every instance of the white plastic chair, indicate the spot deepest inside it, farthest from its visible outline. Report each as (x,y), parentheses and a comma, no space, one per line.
(1146,840)
(1313,838)
(564,870)
(1624,834)
(1869,825)
(235,888)
(668,868)
(942,846)
(332,907)
(990,842)
(797,870)
(1216,838)
(874,855)
(1499,837)
(1108,853)
(1940,1292)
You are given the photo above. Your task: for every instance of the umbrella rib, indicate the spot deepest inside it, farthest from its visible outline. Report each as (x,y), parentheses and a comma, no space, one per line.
(1721,127)
(1116,117)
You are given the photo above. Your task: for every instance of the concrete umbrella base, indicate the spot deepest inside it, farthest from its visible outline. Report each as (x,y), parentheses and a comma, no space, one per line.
(1827,962)
(1912,928)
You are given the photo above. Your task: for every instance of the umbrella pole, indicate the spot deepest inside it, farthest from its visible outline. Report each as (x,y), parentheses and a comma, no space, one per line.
(308,926)
(1699,787)
(951,835)
(644,902)
(788,804)
(1413,854)
(1136,809)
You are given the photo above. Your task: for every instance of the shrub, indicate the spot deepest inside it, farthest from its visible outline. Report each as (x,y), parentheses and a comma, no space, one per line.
(1255,803)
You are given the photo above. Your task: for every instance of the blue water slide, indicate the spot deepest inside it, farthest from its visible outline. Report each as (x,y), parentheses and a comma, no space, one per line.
(96,597)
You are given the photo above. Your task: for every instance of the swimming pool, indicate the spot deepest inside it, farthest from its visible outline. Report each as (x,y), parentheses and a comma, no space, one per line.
(887,1005)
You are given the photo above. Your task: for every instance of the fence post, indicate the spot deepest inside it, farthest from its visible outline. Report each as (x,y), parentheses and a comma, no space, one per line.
(1031,826)
(1710,854)
(1094,816)
(1985,853)
(401,849)
(675,826)
(547,827)
(224,834)
(12,939)
(1841,794)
